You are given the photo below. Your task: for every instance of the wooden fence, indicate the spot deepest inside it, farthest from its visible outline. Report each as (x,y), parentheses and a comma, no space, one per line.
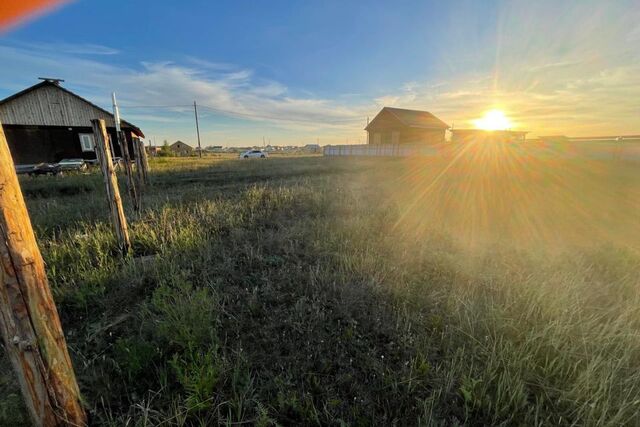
(382,150)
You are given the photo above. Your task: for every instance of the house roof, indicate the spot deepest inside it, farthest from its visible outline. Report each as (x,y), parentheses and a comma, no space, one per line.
(181,144)
(56,85)
(413,118)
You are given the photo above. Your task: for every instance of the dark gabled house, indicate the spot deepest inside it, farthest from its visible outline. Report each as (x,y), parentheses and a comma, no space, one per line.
(179,148)
(401,126)
(47,123)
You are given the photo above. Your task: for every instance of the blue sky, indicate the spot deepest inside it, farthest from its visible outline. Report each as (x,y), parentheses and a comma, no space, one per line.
(294,71)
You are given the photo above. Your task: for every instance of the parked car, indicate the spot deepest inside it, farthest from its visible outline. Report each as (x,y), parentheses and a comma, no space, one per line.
(72,165)
(45,169)
(254,153)
(24,169)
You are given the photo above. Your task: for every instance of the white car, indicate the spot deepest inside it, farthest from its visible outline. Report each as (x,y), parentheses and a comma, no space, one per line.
(254,153)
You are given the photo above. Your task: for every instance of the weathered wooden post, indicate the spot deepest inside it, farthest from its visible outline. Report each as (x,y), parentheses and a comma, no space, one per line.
(124,149)
(138,150)
(138,160)
(126,157)
(111,184)
(145,162)
(29,321)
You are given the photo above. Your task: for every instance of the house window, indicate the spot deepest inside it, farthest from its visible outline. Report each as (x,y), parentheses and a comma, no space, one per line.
(377,138)
(86,142)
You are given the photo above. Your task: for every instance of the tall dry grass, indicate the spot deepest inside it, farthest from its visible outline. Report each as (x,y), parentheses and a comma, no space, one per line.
(484,288)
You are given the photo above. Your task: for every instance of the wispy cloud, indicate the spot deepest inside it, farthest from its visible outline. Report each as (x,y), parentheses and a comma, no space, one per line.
(68,48)
(572,69)
(559,68)
(224,88)
(220,89)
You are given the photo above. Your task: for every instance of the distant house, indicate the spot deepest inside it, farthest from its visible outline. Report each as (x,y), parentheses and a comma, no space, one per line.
(481,135)
(153,150)
(179,148)
(312,148)
(46,123)
(401,126)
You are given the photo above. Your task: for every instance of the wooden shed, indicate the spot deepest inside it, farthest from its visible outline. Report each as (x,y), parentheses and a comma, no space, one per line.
(179,148)
(47,123)
(402,126)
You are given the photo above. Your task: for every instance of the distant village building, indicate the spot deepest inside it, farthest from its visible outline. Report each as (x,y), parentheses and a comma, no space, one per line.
(153,150)
(179,148)
(46,123)
(481,135)
(312,148)
(401,126)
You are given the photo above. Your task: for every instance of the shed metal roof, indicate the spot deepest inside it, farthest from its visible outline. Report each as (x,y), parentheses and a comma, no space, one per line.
(413,118)
(11,112)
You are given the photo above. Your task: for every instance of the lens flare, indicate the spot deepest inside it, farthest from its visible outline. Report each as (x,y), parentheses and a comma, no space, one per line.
(493,120)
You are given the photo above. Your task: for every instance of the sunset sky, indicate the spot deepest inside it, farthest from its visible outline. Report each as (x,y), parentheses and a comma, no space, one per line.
(294,71)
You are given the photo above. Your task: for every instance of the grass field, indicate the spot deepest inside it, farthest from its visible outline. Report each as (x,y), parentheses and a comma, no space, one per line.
(484,288)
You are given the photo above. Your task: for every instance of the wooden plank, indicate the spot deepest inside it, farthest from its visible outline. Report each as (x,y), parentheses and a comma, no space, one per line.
(29,321)
(103,153)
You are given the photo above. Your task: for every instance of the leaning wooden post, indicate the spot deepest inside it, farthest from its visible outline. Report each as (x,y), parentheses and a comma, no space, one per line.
(111,184)
(126,157)
(145,162)
(124,150)
(139,166)
(31,329)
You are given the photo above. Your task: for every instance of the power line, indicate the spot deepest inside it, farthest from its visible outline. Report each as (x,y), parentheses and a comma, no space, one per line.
(236,114)
(265,117)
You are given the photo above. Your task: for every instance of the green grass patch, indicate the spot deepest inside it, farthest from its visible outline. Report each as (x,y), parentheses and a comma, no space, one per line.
(315,291)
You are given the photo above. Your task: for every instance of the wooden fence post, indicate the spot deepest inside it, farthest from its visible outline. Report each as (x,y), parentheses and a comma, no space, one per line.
(138,160)
(145,162)
(29,321)
(111,184)
(131,186)
(141,173)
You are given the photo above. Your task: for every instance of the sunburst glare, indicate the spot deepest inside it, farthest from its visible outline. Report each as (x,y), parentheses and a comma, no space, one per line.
(493,120)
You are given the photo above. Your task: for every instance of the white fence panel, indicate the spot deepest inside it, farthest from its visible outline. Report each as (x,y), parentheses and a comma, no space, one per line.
(382,150)
(597,150)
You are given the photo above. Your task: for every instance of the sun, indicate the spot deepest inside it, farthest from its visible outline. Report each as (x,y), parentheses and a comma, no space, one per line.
(493,120)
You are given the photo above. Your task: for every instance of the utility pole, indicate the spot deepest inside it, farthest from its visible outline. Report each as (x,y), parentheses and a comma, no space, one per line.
(29,324)
(195,111)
